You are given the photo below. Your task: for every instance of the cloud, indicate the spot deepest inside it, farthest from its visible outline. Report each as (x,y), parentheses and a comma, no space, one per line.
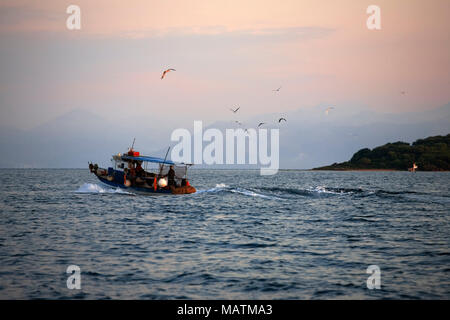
(21,18)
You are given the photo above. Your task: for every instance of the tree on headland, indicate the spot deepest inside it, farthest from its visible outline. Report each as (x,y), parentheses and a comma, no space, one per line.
(430,154)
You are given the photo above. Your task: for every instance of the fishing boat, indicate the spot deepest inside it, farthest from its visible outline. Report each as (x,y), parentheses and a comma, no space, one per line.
(144,174)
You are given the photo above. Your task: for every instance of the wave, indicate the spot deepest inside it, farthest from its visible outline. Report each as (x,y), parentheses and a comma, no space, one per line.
(313,191)
(323,191)
(281,193)
(95,188)
(221,187)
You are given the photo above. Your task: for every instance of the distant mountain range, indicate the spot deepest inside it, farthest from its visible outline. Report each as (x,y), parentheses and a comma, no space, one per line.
(430,154)
(310,138)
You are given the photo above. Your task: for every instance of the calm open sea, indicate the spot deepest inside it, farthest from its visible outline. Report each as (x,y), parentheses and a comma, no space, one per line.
(295,235)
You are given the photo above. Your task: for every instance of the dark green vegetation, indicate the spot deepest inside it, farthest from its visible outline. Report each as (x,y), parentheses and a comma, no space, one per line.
(430,154)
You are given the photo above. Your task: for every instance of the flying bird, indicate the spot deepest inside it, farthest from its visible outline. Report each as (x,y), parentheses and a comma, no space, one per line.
(164,73)
(239,123)
(260,124)
(281,119)
(276,90)
(328,110)
(235,110)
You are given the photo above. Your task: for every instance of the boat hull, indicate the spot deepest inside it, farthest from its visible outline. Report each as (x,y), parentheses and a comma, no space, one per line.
(147,191)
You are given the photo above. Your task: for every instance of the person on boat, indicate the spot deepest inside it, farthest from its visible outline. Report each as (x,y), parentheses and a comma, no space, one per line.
(131,169)
(171,176)
(139,169)
(131,173)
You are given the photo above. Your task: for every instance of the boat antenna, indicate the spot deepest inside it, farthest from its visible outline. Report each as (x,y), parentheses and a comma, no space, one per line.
(132,146)
(162,166)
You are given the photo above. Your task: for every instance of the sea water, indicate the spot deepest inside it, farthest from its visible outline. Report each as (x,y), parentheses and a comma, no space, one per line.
(294,235)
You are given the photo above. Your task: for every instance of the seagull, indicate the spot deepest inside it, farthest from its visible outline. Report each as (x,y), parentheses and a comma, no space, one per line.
(328,110)
(164,73)
(276,90)
(235,109)
(260,124)
(281,119)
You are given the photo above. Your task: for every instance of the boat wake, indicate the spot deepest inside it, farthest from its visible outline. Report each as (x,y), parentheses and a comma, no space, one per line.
(324,192)
(221,187)
(95,188)
(278,193)
(317,191)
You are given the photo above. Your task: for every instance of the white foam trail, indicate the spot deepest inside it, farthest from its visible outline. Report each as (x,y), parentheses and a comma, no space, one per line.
(223,187)
(219,187)
(252,194)
(95,188)
(321,189)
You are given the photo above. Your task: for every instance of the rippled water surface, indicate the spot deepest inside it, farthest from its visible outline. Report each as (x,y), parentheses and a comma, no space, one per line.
(295,235)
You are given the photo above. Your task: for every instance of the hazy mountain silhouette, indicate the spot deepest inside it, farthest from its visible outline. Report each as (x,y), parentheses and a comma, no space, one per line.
(68,141)
(309,138)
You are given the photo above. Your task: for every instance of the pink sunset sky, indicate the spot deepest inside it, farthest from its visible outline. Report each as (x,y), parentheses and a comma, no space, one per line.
(226,53)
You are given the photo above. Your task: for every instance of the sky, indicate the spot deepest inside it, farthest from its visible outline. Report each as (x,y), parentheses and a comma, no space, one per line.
(227,54)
